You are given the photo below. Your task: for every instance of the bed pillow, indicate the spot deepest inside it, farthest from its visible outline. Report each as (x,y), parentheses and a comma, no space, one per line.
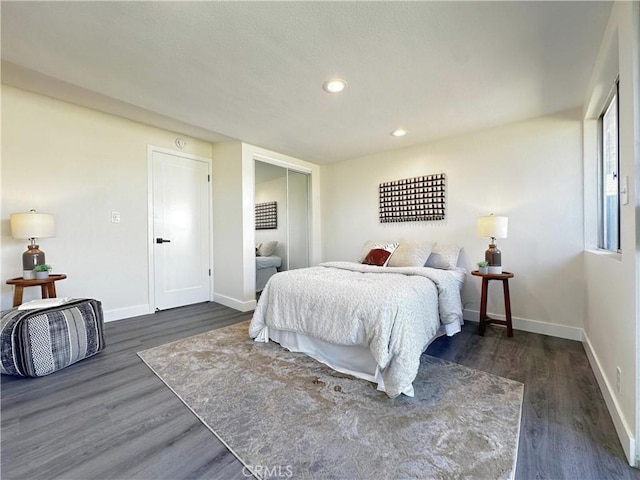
(411,254)
(266,249)
(368,245)
(444,256)
(257,248)
(379,254)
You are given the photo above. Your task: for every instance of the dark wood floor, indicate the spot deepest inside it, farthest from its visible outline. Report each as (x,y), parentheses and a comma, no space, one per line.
(110,417)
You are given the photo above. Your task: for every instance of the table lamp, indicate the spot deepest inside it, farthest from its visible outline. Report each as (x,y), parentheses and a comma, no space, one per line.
(32,226)
(493,227)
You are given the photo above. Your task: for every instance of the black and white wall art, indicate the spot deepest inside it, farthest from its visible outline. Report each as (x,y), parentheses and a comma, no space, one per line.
(266,216)
(413,199)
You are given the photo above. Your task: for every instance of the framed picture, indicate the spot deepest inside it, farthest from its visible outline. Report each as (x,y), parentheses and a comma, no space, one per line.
(266,216)
(413,199)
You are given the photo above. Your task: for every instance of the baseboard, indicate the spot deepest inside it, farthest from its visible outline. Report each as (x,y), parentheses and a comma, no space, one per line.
(625,434)
(243,306)
(127,312)
(137,310)
(533,326)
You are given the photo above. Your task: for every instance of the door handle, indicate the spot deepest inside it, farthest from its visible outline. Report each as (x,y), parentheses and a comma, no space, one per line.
(162,240)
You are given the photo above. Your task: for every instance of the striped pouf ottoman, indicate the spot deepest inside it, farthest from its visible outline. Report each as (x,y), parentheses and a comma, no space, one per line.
(41,341)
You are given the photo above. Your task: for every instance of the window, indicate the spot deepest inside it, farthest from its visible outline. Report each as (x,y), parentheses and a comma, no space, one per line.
(609,176)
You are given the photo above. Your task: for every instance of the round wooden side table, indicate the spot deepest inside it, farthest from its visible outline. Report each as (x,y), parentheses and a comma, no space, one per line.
(484,318)
(47,285)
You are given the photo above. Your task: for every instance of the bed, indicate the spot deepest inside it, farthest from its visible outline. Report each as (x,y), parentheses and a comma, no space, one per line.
(267,263)
(369,321)
(266,267)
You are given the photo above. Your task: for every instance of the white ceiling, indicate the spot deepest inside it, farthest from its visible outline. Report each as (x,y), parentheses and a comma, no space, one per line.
(253,71)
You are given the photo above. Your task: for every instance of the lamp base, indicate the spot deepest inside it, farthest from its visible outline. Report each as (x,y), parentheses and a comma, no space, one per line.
(32,257)
(493,256)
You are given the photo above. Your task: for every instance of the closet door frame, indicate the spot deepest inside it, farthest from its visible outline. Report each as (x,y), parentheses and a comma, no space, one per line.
(298,169)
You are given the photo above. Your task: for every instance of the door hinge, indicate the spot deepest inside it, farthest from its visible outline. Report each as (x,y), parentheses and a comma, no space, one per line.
(208,178)
(209,272)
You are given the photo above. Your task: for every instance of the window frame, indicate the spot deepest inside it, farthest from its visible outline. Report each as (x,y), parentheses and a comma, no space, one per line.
(614,94)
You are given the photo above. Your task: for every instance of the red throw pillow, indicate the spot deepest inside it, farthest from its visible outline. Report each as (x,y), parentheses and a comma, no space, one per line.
(377,256)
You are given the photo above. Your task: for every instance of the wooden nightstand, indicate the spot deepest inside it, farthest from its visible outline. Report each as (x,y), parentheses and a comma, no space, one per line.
(47,286)
(484,319)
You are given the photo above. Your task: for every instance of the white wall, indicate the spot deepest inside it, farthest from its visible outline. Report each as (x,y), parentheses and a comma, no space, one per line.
(275,190)
(87,164)
(228,235)
(80,165)
(233,217)
(611,322)
(530,171)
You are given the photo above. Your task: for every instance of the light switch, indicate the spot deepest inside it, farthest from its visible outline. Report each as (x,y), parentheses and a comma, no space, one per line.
(115,217)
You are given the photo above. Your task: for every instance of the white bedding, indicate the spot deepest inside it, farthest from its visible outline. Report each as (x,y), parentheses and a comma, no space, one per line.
(268,262)
(393,312)
(266,267)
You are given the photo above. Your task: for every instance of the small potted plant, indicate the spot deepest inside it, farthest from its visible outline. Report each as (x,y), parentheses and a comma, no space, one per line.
(42,271)
(483,267)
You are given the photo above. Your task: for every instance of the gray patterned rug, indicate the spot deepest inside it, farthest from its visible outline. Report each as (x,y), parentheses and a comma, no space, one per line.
(286,415)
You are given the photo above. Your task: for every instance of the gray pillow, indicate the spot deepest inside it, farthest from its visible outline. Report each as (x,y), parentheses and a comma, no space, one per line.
(444,256)
(411,253)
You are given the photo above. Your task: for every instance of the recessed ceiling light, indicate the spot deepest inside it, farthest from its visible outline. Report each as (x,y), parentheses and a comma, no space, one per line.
(399,132)
(335,85)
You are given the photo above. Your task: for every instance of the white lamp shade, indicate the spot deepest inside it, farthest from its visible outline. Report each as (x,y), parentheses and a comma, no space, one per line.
(32,225)
(492,226)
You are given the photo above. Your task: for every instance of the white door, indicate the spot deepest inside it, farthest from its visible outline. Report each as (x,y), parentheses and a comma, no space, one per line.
(181,232)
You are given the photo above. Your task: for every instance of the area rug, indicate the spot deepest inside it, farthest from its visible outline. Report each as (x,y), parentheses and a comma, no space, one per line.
(285,415)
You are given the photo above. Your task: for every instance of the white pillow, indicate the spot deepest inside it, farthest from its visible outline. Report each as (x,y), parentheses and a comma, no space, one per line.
(411,253)
(266,249)
(366,248)
(444,256)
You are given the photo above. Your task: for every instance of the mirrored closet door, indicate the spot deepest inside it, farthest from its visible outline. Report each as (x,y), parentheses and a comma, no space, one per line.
(282,220)
(298,219)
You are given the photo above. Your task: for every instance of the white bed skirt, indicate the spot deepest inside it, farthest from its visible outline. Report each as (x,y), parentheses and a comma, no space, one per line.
(262,276)
(350,359)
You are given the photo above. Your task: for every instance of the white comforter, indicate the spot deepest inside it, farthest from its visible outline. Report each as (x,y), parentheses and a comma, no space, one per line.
(395,312)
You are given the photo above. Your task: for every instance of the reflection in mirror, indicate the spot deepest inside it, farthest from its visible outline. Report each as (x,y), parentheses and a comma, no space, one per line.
(271,243)
(286,246)
(298,219)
